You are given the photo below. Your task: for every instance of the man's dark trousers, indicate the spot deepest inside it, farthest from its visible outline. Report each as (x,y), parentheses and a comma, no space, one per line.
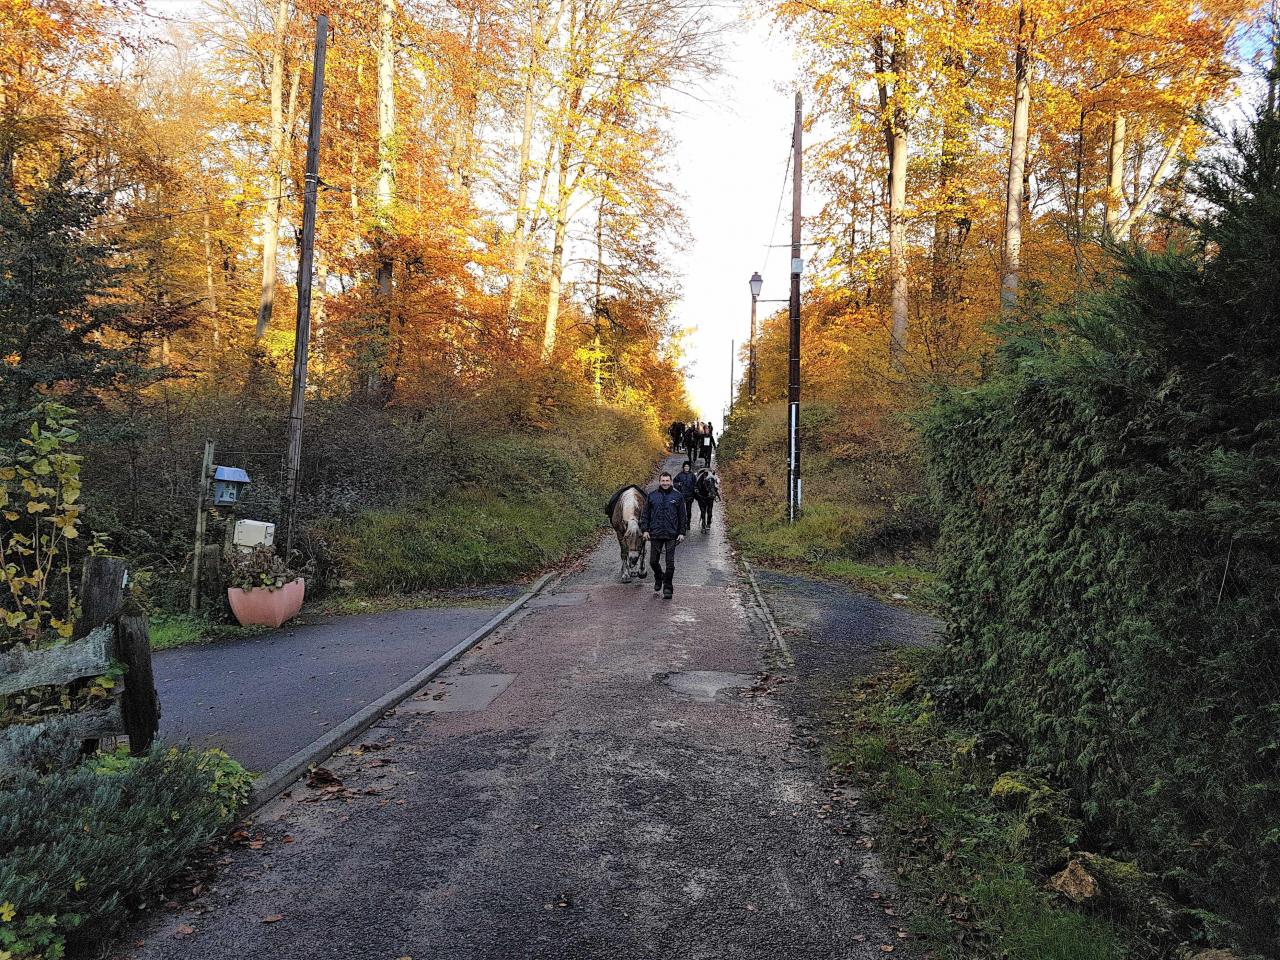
(657,550)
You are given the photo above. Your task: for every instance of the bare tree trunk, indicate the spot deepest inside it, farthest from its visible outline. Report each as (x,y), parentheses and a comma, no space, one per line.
(520,249)
(385,191)
(895,134)
(1144,201)
(555,280)
(1017,168)
(210,292)
(1115,174)
(275,154)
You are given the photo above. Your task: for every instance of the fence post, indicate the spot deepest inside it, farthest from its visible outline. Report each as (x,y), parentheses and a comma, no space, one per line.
(139,704)
(102,582)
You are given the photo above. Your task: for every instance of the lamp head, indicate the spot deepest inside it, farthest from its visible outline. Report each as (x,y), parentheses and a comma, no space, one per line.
(756,283)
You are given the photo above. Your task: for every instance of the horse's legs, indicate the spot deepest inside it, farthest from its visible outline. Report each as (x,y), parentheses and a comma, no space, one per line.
(626,569)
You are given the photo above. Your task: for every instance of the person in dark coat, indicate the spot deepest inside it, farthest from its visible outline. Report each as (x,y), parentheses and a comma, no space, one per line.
(686,481)
(665,521)
(706,444)
(676,432)
(691,440)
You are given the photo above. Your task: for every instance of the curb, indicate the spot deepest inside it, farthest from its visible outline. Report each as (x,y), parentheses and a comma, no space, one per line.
(775,633)
(276,780)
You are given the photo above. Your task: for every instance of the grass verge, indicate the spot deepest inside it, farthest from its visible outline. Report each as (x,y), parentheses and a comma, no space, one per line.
(172,630)
(976,841)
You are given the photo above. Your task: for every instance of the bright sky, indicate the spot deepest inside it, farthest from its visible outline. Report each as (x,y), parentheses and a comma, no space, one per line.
(731,162)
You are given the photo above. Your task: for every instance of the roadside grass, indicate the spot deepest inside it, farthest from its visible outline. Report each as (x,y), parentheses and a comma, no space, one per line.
(172,630)
(865,520)
(972,852)
(478,539)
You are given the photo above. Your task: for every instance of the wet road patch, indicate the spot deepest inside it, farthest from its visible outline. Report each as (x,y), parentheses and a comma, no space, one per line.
(464,693)
(706,684)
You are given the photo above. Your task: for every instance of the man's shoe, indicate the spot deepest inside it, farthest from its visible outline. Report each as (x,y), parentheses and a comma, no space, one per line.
(667,593)
(657,583)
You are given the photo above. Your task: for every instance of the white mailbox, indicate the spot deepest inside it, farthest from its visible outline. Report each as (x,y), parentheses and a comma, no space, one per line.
(249,534)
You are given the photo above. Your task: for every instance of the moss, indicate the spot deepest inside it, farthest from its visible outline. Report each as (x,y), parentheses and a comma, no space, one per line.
(1011,790)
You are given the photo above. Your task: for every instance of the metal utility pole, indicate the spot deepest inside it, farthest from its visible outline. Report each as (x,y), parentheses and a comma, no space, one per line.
(206,474)
(302,330)
(756,283)
(793,362)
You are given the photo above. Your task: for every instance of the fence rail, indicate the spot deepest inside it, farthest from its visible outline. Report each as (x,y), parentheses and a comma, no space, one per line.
(111,629)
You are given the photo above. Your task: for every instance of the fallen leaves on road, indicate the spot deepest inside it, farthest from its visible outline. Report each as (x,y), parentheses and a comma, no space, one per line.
(184,930)
(273,918)
(322,777)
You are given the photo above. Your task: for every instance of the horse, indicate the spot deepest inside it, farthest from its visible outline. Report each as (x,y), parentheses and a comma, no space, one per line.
(627,510)
(706,491)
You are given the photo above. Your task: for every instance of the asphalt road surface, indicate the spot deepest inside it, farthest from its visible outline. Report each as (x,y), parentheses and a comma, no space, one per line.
(265,697)
(610,775)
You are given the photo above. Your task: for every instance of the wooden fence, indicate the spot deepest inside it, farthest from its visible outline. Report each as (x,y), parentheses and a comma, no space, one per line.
(111,628)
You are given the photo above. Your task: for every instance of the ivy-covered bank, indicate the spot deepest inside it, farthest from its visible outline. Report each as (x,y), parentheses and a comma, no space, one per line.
(1110,546)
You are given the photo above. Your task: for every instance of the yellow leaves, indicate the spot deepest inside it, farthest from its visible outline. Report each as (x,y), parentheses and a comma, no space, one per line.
(7,911)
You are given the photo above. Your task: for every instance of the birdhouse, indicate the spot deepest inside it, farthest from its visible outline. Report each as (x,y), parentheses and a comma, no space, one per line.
(229,485)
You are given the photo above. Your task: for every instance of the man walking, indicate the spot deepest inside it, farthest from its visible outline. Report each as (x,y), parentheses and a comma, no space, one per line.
(665,521)
(686,482)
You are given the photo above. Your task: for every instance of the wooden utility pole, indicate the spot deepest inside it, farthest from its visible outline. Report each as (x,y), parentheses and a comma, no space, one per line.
(302,331)
(206,474)
(793,363)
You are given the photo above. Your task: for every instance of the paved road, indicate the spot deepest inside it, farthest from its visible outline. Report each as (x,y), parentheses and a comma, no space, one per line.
(265,697)
(610,775)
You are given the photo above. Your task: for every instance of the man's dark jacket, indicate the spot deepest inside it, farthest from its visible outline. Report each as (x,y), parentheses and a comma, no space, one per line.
(685,482)
(664,517)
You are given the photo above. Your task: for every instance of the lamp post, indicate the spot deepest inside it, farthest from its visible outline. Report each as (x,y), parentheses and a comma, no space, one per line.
(756,283)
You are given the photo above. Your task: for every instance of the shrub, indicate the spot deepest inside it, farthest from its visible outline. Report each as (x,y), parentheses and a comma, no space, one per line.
(82,843)
(1111,549)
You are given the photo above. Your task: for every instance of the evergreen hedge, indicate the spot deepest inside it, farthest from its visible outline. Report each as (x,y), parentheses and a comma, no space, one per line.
(84,843)
(1110,541)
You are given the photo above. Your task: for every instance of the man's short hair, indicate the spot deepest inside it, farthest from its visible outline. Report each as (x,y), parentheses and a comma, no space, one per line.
(664,474)
(686,464)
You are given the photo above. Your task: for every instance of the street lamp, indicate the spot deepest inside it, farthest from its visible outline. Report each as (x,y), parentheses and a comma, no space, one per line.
(756,283)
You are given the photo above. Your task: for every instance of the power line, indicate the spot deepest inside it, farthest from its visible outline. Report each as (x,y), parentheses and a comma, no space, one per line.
(777,214)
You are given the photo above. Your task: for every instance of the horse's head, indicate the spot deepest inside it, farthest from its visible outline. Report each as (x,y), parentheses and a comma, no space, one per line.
(634,541)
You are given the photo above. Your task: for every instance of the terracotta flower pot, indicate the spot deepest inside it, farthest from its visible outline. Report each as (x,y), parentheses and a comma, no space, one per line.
(267,608)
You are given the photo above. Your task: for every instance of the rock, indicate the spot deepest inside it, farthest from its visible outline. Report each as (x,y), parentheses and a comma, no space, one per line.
(899,596)
(1011,790)
(1075,883)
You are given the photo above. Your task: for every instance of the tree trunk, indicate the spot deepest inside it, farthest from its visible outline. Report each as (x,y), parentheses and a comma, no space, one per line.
(275,153)
(385,192)
(1015,197)
(895,134)
(520,247)
(1144,201)
(1115,175)
(210,294)
(555,280)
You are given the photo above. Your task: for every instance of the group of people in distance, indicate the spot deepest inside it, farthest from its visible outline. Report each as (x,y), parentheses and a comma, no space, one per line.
(697,440)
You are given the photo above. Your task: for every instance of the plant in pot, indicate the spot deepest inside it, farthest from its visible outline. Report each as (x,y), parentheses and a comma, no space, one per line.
(261,588)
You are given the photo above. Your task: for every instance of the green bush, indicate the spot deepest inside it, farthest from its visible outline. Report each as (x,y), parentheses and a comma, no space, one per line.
(514,503)
(1111,549)
(82,843)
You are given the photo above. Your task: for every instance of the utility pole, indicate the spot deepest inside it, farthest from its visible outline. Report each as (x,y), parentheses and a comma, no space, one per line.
(206,474)
(793,362)
(302,330)
(756,283)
